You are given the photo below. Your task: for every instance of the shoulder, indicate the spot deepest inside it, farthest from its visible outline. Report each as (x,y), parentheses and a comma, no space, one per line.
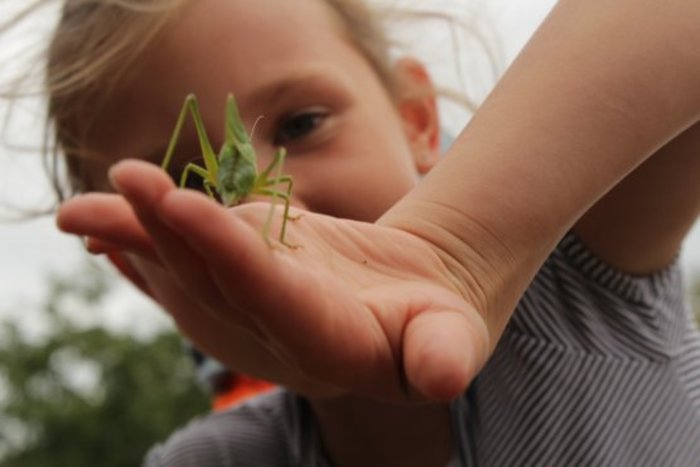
(271,430)
(579,302)
(575,265)
(586,341)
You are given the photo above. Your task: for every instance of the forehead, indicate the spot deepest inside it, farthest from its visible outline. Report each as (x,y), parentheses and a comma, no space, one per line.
(243,41)
(255,18)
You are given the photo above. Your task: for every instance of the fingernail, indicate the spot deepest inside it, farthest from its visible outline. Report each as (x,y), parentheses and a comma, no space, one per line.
(91,247)
(88,245)
(113,179)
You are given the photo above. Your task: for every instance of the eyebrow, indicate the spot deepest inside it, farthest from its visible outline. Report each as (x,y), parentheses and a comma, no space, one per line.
(271,92)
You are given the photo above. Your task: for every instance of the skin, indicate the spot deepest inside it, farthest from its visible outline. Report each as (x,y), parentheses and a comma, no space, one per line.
(358,151)
(607,153)
(332,166)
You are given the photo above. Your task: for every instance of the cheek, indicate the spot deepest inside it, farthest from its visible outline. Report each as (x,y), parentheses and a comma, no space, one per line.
(96,176)
(359,188)
(362,172)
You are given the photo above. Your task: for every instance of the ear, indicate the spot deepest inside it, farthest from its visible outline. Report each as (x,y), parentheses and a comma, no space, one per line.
(417,104)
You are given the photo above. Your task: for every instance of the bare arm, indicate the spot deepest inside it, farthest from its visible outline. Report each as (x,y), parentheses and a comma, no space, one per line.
(596,95)
(599,89)
(639,226)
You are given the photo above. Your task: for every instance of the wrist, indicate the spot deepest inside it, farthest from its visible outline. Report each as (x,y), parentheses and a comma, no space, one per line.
(487,269)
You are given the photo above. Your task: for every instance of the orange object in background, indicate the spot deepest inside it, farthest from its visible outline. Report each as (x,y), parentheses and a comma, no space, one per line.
(226,388)
(232,389)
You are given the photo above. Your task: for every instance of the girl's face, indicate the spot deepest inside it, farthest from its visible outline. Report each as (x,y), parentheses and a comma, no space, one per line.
(351,152)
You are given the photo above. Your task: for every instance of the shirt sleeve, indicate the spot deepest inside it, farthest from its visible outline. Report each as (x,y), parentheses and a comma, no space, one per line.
(272,430)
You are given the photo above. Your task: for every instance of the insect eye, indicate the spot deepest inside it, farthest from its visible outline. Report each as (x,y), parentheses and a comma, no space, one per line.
(300,125)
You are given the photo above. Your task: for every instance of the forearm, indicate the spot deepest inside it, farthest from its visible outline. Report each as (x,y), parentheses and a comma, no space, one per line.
(597,90)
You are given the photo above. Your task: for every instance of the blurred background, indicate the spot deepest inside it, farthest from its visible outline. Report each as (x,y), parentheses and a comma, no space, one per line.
(87,365)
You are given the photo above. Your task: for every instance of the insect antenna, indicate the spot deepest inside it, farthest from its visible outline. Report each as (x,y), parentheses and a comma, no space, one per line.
(255,125)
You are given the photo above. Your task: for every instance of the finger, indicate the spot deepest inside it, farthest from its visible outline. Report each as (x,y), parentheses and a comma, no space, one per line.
(144,185)
(301,310)
(444,349)
(124,266)
(109,220)
(98,246)
(236,347)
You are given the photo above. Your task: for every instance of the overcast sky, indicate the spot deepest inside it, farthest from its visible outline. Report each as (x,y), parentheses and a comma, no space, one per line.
(28,250)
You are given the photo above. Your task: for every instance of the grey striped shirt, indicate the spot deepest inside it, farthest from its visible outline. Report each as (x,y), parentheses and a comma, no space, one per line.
(596,368)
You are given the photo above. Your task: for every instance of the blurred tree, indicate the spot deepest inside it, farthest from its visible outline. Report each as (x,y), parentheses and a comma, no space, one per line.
(89,396)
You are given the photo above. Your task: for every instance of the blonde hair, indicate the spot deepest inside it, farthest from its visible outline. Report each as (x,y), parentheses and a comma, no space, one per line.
(92,49)
(95,44)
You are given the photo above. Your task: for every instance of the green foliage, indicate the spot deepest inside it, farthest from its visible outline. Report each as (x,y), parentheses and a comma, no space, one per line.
(89,396)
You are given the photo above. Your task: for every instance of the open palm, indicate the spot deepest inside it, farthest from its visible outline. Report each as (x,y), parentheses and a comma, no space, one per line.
(356,307)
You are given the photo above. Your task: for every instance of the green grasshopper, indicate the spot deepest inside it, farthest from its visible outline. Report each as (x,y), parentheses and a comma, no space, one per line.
(233,173)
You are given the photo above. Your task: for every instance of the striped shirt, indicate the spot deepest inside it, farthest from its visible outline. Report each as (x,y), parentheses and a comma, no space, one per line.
(595,368)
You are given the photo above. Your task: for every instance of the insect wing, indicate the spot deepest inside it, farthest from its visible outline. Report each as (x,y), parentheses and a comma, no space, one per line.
(235,131)
(236,176)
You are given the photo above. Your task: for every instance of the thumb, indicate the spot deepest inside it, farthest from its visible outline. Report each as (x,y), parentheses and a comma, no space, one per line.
(444,349)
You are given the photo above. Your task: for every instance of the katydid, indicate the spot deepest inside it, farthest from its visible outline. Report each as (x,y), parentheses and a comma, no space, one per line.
(232,173)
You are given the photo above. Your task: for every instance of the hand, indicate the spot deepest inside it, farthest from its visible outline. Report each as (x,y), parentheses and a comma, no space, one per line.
(356,307)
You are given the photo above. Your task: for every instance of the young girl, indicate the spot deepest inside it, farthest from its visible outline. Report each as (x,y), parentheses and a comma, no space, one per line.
(347,121)
(566,199)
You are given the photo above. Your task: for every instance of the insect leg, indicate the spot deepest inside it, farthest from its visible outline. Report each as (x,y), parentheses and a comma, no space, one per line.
(262,187)
(288,191)
(286,199)
(208,153)
(197,170)
(277,161)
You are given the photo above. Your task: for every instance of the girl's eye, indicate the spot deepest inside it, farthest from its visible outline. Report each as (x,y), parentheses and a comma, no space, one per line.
(299,125)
